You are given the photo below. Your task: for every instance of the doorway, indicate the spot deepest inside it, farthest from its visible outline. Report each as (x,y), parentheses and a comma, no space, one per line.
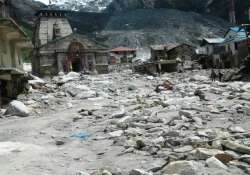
(76,57)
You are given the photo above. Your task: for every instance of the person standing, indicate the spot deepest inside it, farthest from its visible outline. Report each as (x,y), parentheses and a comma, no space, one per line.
(213,75)
(220,76)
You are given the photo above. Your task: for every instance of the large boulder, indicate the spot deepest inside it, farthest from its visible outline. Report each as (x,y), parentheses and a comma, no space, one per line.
(183,168)
(17,108)
(199,78)
(203,153)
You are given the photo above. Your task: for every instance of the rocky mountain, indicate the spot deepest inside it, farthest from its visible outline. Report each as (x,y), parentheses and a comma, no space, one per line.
(219,8)
(82,5)
(137,23)
(143,27)
(24,10)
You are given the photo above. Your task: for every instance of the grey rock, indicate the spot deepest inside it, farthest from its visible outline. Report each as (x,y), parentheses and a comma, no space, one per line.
(245,158)
(236,147)
(17,108)
(118,133)
(203,153)
(236,129)
(213,162)
(139,172)
(187,113)
(106,172)
(183,149)
(119,114)
(86,94)
(183,168)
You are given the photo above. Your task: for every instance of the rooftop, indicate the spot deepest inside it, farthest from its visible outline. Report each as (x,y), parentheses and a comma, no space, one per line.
(214,40)
(165,46)
(49,10)
(123,49)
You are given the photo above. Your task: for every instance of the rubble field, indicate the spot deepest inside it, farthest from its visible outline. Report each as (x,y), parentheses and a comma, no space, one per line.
(126,123)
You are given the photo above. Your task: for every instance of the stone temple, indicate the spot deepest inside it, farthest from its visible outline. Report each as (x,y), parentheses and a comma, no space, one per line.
(59,49)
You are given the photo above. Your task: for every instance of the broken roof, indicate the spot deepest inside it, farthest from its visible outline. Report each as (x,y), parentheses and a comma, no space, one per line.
(213,40)
(165,46)
(235,34)
(123,49)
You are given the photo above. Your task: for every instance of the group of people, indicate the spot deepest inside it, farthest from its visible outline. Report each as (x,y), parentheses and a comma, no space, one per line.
(215,75)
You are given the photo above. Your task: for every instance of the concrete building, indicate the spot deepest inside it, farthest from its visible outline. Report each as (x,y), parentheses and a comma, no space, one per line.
(12,42)
(58,48)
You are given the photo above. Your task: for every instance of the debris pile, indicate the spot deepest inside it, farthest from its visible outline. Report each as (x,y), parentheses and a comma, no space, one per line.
(174,124)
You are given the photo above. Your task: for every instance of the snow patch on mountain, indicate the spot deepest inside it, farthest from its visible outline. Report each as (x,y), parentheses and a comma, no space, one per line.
(82,5)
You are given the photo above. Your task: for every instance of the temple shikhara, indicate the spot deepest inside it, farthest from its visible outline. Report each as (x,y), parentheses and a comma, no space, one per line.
(59,49)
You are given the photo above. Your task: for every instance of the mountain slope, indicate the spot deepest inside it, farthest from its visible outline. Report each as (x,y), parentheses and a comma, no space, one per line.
(145,27)
(82,5)
(135,27)
(219,8)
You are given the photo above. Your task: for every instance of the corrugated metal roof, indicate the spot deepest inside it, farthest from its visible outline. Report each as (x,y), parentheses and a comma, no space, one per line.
(235,34)
(214,40)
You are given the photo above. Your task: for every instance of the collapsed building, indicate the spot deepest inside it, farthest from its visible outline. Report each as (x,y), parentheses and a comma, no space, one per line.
(227,52)
(121,55)
(169,58)
(59,49)
(13,41)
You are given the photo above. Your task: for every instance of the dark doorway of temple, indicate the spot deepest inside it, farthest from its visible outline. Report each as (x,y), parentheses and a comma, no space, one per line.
(77,65)
(76,57)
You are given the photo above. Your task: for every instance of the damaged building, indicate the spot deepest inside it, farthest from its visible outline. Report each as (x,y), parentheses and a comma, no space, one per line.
(169,58)
(13,41)
(59,49)
(121,55)
(227,52)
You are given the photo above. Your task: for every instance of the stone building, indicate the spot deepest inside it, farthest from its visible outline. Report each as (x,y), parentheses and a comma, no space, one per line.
(161,59)
(58,48)
(122,55)
(12,42)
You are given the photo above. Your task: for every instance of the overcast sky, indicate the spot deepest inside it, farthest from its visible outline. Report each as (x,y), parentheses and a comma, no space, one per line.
(44,1)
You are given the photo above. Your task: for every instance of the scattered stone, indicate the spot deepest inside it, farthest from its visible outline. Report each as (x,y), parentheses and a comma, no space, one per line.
(116,133)
(106,172)
(183,149)
(236,129)
(245,158)
(139,172)
(60,142)
(82,173)
(236,147)
(183,168)
(203,153)
(199,78)
(17,108)
(119,114)
(200,94)
(213,162)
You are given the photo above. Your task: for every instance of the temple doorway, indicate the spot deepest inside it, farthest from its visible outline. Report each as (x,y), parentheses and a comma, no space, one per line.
(76,57)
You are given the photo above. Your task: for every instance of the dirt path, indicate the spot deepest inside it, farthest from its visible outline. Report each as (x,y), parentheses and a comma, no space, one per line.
(32,148)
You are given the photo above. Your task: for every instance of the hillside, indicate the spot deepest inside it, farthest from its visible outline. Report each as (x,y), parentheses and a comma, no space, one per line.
(144,27)
(138,23)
